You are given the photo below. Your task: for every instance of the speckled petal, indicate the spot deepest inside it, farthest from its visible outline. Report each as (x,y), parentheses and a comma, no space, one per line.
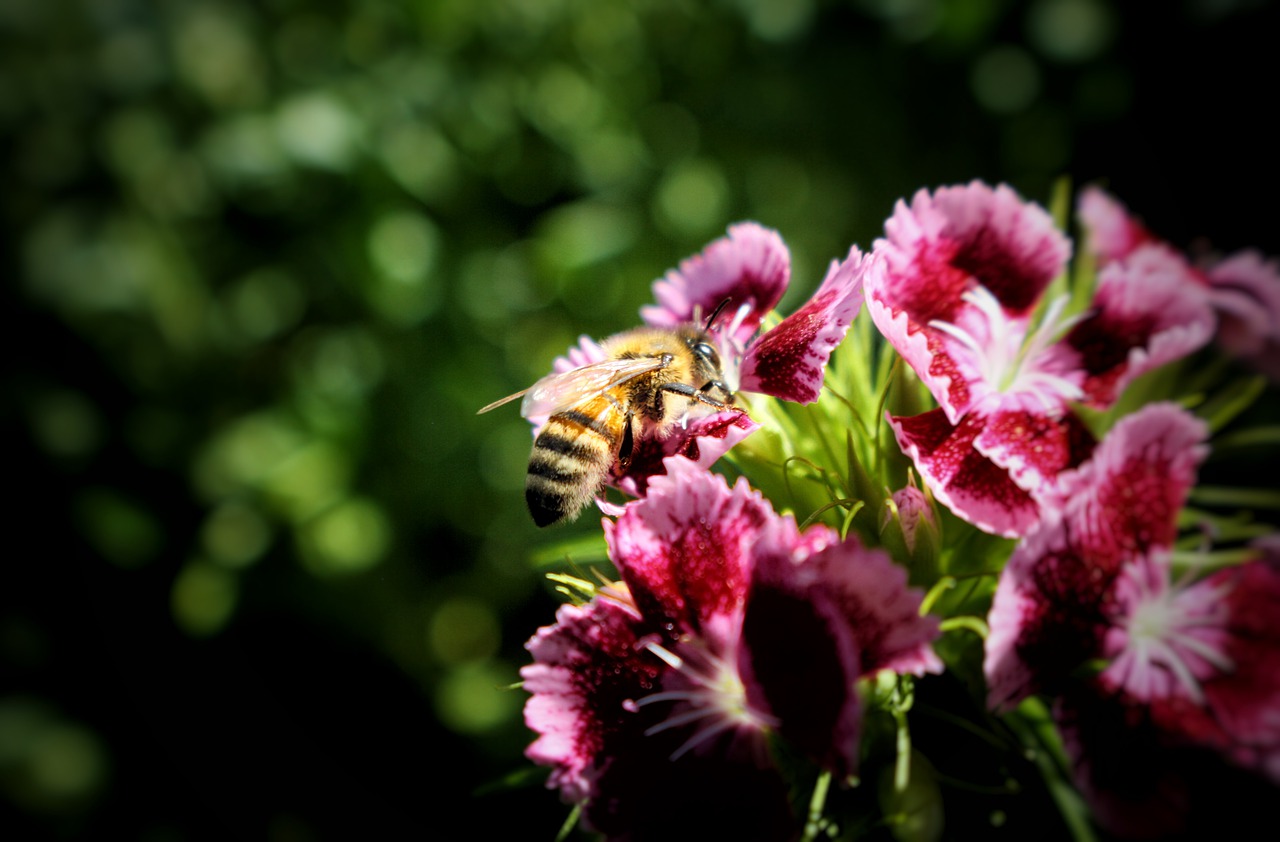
(790,360)
(962,478)
(1050,610)
(685,549)
(585,668)
(751,266)
(1149,308)
(1033,448)
(944,245)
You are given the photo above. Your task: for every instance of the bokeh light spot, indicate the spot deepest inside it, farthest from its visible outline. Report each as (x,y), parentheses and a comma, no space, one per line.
(462,630)
(316,129)
(1005,80)
(203,598)
(264,303)
(65,423)
(1070,30)
(777,20)
(403,246)
(473,698)
(584,233)
(421,159)
(309,480)
(216,56)
(242,453)
(692,199)
(349,537)
(68,761)
(119,529)
(47,761)
(235,535)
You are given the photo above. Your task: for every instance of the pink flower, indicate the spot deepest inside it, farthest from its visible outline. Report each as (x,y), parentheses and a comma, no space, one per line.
(955,286)
(1203,655)
(744,275)
(1243,289)
(747,272)
(1051,608)
(1180,733)
(1142,784)
(729,625)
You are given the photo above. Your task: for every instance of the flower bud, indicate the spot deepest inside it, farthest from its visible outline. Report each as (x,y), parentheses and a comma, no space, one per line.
(909,530)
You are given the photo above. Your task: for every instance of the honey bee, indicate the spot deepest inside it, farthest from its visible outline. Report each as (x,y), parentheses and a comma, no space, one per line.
(650,380)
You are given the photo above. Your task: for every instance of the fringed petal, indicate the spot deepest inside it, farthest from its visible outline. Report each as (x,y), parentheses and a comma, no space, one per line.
(790,360)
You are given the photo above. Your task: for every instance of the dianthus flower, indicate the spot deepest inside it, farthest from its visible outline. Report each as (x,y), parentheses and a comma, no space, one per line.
(1050,613)
(1180,733)
(1243,287)
(741,278)
(955,287)
(655,701)
(1189,675)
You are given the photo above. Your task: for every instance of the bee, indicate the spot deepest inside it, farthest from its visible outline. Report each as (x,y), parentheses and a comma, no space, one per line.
(650,380)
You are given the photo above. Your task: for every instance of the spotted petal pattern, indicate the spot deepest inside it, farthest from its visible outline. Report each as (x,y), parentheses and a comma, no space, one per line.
(1050,611)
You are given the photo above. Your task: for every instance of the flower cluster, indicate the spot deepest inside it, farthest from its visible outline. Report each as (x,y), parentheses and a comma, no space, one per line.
(755,665)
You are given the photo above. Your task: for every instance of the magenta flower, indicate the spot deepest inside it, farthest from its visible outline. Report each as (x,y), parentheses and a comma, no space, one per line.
(1181,731)
(955,286)
(1053,605)
(729,625)
(1243,288)
(1140,782)
(1245,291)
(1204,655)
(745,275)
(749,269)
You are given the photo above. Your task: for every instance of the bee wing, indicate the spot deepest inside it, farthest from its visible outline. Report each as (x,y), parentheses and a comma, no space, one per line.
(501,401)
(557,392)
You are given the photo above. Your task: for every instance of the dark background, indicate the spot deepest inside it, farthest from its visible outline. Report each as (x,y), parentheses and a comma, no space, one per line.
(262,262)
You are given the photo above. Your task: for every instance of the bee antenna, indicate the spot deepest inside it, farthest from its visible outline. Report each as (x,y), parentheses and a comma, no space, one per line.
(716,312)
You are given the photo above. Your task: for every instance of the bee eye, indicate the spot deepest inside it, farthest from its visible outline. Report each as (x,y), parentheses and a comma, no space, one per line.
(708,353)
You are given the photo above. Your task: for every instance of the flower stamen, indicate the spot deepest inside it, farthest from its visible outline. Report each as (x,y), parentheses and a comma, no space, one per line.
(716,698)
(1010,360)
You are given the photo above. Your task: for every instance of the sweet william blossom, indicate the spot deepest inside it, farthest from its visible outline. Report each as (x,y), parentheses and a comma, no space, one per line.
(1050,610)
(747,272)
(1203,655)
(729,625)
(742,276)
(956,287)
(1242,288)
(1179,735)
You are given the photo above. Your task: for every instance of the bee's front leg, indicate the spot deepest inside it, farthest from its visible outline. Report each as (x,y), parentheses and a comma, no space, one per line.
(699,395)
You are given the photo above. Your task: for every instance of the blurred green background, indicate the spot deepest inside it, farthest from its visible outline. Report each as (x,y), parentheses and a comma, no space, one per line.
(263,262)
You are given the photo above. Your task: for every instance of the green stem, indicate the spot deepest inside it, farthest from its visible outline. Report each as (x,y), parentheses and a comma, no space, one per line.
(974,624)
(1035,730)
(817,803)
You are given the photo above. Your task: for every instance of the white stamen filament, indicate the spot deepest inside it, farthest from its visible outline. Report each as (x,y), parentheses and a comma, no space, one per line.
(1160,627)
(732,351)
(717,699)
(1015,371)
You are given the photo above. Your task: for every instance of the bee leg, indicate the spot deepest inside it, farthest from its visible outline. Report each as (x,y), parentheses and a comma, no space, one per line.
(699,395)
(626,447)
(722,386)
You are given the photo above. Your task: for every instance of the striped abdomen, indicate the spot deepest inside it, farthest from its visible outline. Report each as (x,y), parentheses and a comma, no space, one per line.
(571,458)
